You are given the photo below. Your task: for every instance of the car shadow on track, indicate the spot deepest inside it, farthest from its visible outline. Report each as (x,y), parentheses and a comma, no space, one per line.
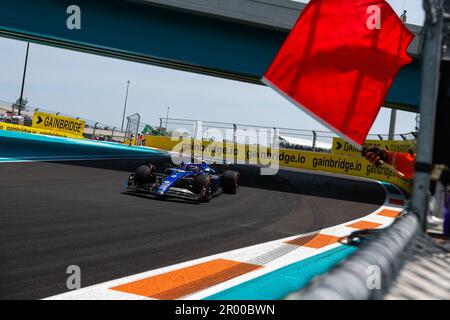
(149,196)
(313,184)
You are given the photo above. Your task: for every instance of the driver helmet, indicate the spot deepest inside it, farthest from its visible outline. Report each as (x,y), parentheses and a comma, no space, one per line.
(192,167)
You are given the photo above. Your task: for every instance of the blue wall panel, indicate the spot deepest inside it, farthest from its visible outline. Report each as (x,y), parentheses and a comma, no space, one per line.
(19,146)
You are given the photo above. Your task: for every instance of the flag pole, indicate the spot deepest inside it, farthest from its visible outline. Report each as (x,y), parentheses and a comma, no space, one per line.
(385,164)
(393,169)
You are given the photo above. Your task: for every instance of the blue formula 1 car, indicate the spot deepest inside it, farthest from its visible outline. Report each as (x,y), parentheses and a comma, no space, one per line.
(191,181)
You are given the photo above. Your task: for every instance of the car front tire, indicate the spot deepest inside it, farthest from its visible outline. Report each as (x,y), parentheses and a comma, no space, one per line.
(202,187)
(143,174)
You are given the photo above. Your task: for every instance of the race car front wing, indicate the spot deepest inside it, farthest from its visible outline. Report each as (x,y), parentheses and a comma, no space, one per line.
(173,192)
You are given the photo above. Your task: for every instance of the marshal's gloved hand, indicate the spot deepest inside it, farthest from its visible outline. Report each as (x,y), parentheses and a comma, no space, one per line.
(375,155)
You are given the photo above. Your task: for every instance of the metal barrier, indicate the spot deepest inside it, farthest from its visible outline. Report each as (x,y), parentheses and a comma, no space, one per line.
(132,130)
(93,129)
(408,264)
(316,140)
(386,253)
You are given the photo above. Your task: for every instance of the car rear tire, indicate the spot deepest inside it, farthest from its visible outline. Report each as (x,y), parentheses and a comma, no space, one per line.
(202,187)
(143,174)
(230,181)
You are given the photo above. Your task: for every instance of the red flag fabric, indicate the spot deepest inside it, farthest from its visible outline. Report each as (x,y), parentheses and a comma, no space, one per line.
(337,63)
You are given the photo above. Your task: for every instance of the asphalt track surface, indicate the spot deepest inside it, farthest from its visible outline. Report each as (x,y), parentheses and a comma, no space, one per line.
(53,215)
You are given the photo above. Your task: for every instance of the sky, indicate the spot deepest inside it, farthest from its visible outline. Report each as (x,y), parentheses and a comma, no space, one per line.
(93,87)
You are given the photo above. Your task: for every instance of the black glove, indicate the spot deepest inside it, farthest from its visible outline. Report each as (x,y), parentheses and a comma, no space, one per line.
(375,155)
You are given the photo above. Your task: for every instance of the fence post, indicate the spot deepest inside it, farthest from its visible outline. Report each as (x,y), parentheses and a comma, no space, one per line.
(275,137)
(137,129)
(126,130)
(314,141)
(234,133)
(195,129)
(392,124)
(95,128)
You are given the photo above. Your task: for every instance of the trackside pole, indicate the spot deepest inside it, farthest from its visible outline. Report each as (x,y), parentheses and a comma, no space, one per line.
(431,61)
(392,124)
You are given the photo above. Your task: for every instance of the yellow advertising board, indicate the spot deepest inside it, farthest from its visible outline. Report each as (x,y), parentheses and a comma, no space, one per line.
(342,147)
(18,128)
(348,165)
(62,124)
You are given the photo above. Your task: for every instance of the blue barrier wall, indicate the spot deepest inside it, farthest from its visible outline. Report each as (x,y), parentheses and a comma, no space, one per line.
(19,146)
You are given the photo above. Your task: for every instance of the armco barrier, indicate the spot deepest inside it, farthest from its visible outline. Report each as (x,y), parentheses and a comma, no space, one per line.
(25,146)
(387,252)
(348,165)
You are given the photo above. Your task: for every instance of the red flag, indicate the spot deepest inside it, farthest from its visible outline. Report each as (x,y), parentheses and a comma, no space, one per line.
(337,63)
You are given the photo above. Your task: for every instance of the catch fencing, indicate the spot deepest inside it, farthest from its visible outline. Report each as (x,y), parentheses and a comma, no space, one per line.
(94,130)
(309,140)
